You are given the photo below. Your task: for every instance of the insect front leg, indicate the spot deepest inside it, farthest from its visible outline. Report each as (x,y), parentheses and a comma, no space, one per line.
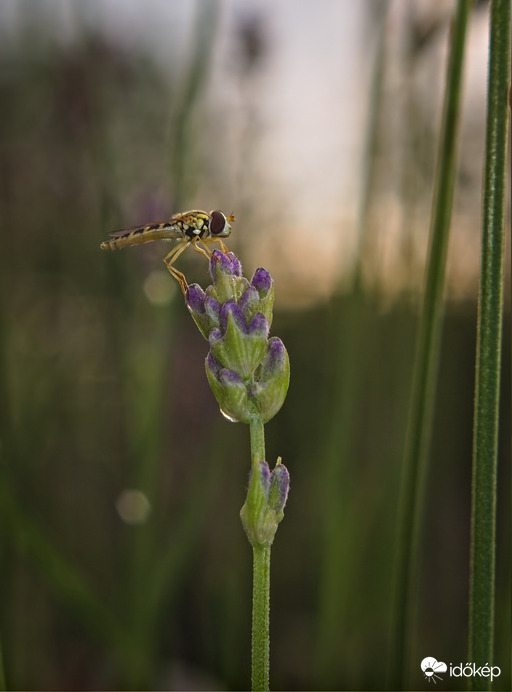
(207,250)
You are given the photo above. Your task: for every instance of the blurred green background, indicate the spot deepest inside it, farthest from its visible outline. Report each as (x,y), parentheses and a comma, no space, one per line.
(124,563)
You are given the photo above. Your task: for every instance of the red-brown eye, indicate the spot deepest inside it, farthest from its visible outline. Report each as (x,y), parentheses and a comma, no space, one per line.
(217,222)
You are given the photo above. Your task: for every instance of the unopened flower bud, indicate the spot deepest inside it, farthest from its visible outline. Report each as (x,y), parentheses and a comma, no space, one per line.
(229,390)
(237,345)
(264,284)
(279,486)
(269,391)
(226,273)
(264,506)
(195,302)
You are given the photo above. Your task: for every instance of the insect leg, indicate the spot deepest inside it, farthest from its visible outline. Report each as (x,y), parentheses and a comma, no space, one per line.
(213,240)
(203,250)
(180,278)
(169,260)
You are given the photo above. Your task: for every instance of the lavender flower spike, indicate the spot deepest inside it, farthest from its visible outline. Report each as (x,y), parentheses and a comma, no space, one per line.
(248,372)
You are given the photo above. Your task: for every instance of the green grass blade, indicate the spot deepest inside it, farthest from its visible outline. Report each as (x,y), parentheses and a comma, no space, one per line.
(65,581)
(415,461)
(488,358)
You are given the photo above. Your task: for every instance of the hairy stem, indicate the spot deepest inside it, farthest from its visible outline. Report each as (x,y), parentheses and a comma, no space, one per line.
(261,581)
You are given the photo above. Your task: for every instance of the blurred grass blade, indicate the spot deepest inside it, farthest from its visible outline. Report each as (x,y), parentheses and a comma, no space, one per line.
(185,125)
(488,358)
(3,685)
(415,460)
(67,583)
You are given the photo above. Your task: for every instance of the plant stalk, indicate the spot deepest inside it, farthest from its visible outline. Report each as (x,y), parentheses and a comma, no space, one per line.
(415,463)
(488,358)
(260,618)
(261,582)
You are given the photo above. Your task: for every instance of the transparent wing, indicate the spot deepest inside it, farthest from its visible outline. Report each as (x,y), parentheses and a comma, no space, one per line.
(172,230)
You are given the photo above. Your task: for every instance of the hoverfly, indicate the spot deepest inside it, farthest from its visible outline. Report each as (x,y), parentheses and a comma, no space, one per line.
(191,227)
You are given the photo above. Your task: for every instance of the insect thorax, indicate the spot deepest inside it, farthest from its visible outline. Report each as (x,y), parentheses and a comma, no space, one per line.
(194,227)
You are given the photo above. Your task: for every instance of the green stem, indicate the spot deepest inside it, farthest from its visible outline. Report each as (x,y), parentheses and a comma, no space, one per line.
(261,581)
(257,432)
(260,617)
(488,358)
(415,461)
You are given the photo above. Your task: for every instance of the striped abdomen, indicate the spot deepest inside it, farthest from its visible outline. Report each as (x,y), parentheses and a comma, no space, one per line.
(142,234)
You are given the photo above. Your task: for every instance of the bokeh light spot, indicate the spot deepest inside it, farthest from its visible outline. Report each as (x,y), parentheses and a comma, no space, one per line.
(133,506)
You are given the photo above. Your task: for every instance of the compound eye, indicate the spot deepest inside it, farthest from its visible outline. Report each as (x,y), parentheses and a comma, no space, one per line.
(217,222)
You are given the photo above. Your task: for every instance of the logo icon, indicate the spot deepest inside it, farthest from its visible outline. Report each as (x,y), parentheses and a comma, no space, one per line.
(431,668)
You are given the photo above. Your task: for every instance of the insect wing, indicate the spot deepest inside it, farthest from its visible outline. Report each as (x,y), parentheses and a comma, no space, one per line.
(174,227)
(172,230)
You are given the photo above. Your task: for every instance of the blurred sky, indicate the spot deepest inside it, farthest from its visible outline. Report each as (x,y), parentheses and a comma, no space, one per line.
(306,108)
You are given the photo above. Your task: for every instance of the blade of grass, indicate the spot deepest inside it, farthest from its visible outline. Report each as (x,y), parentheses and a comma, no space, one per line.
(66,582)
(488,358)
(349,372)
(183,145)
(415,460)
(3,685)
(144,551)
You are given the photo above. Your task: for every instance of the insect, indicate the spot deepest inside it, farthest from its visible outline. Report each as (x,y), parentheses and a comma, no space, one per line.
(191,227)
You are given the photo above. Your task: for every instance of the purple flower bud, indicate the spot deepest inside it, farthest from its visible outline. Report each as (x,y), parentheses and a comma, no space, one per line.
(275,358)
(231,309)
(250,302)
(228,377)
(238,346)
(262,281)
(259,324)
(213,365)
(264,505)
(269,391)
(194,299)
(226,263)
(263,284)
(265,477)
(214,337)
(229,390)
(279,487)
(212,308)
